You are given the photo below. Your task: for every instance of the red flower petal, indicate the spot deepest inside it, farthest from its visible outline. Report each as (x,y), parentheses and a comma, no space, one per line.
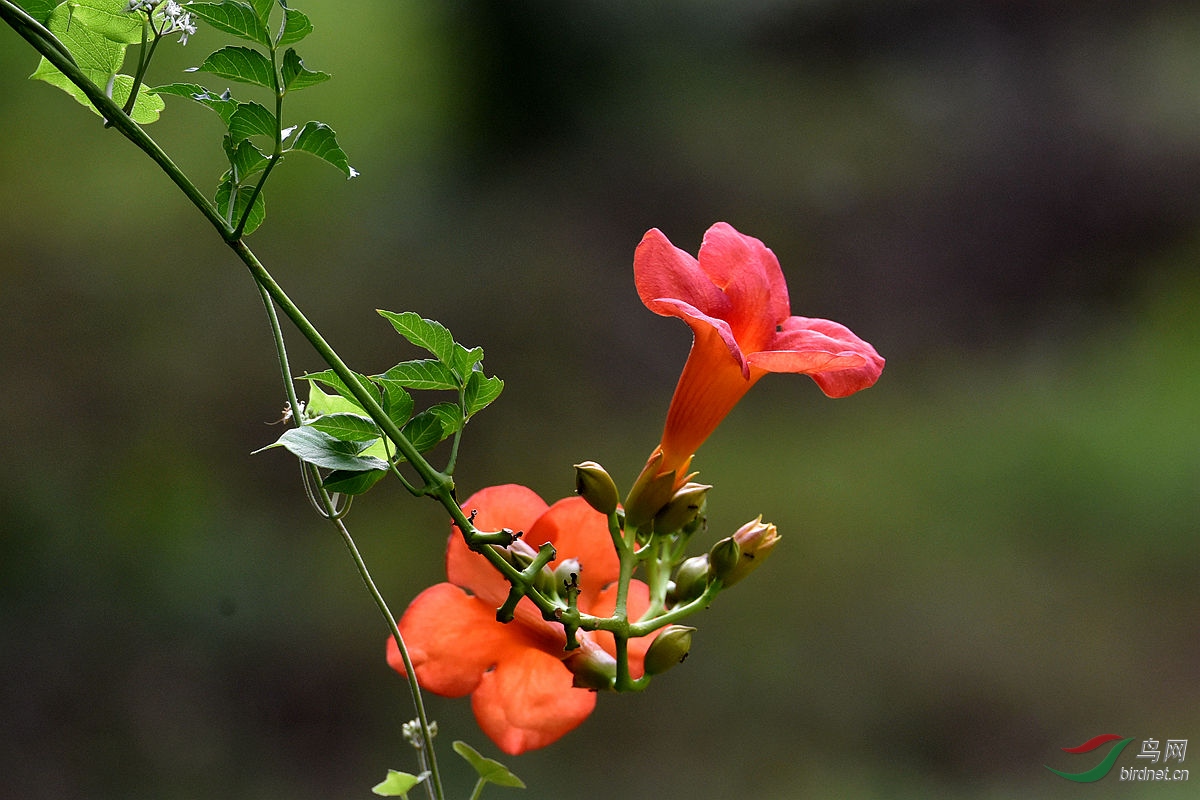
(667,277)
(749,275)
(839,361)
(528,701)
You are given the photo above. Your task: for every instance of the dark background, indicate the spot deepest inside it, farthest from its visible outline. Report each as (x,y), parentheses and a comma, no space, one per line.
(989,556)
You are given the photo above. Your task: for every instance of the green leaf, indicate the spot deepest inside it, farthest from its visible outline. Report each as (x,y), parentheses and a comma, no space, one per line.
(424,374)
(348,482)
(240,202)
(424,431)
(295,27)
(145,109)
(489,770)
(239,64)
(252,119)
(263,9)
(330,378)
(232,17)
(423,333)
(246,159)
(108,18)
(223,104)
(449,415)
(397,403)
(319,139)
(296,76)
(480,392)
(464,360)
(320,403)
(398,784)
(39,9)
(98,57)
(347,427)
(322,450)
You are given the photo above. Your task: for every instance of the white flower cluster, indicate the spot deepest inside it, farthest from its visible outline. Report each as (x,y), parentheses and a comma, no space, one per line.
(171,15)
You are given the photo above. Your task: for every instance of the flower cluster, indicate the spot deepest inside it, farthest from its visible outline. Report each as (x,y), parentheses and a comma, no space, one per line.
(523,682)
(533,679)
(172,17)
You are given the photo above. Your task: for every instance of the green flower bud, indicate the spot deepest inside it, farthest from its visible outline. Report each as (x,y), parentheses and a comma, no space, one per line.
(563,573)
(651,491)
(756,539)
(723,558)
(595,486)
(668,649)
(690,580)
(592,668)
(682,508)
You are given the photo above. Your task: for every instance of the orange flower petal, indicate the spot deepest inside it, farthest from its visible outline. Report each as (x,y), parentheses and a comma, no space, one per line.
(578,531)
(710,386)
(528,701)
(452,639)
(507,506)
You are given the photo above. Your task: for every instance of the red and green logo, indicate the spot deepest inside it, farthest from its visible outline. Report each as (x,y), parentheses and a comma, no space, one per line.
(1100,770)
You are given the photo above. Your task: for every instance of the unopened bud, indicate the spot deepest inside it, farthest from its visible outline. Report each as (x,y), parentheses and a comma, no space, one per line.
(595,486)
(690,579)
(651,491)
(682,509)
(756,539)
(566,574)
(519,554)
(723,558)
(668,649)
(592,668)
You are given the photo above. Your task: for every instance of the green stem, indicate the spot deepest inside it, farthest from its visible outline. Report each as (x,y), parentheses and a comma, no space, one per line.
(57,54)
(289,386)
(33,31)
(394,629)
(144,56)
(647,626)
(276,155)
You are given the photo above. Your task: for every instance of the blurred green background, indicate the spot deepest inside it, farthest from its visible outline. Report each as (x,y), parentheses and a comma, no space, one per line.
(990,555)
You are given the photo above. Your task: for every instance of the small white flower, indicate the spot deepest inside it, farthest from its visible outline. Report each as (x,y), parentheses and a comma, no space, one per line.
(176,20)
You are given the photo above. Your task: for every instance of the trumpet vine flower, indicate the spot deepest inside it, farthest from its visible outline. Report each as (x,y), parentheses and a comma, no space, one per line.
(735,299)
(523,694)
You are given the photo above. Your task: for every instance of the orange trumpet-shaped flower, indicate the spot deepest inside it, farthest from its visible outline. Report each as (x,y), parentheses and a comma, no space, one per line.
(522,693)
(735,300)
